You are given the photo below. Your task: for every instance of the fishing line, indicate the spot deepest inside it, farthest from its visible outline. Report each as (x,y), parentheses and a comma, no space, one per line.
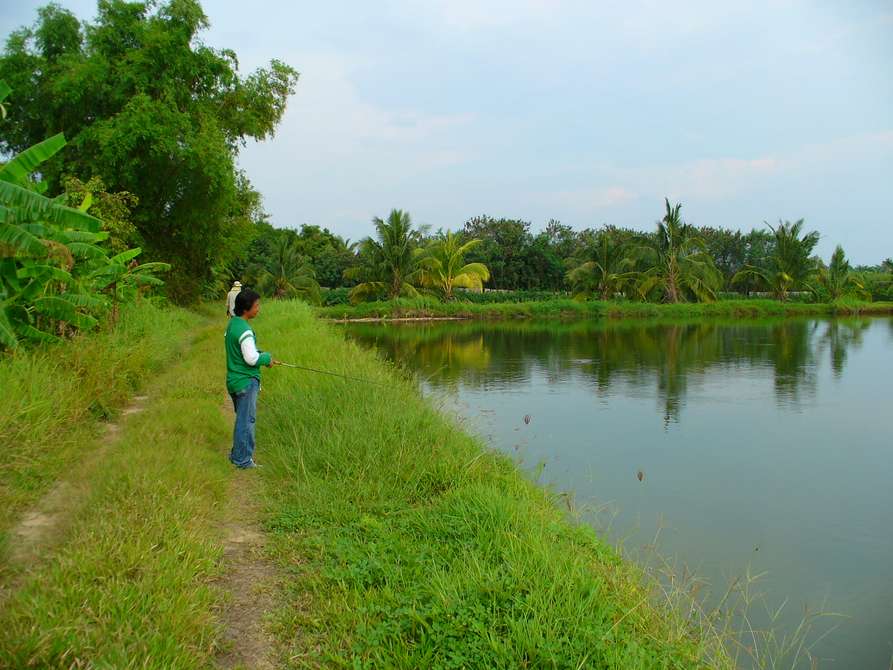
(335,374)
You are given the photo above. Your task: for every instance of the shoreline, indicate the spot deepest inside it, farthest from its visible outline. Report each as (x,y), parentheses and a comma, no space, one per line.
(407,311)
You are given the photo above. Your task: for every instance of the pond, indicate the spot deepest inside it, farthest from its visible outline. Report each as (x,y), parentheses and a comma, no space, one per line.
(749,446)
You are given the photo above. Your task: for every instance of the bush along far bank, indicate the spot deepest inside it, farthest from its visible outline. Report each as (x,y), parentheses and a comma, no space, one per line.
(411,545)
(426,308)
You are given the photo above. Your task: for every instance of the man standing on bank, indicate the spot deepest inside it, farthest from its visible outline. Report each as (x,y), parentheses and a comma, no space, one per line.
(231,298)
(243,363)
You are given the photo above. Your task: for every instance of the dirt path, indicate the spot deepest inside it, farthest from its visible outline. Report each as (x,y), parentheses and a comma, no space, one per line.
(249,578)
(42,525)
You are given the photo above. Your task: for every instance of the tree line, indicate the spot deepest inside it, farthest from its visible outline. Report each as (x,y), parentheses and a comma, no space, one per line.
(675,262)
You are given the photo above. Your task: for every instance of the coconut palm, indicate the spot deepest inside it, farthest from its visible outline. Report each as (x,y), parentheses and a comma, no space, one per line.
(605,273)
(444,268)
(389,263)
(791,266)
(838,278)
(287,274)
(679,267)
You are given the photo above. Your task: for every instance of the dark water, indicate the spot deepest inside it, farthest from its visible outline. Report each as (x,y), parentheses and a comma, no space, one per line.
(762,446)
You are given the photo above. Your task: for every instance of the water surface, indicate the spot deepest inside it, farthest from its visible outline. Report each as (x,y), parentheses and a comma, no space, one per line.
(765,446)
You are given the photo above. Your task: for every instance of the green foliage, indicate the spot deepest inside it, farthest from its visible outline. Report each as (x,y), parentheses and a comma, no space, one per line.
(838,279)
(679,268)
(790,267)
(603,270)
(444,268)
(389,263)
(286,274)
(55,275)
(139,94)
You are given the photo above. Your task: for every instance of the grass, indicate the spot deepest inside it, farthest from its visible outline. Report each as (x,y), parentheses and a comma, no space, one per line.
(129,584)
(571,309)
(403,542)
(409,545)
(56,397)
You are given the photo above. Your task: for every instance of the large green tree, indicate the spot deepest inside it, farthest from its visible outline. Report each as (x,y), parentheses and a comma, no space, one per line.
(153,111)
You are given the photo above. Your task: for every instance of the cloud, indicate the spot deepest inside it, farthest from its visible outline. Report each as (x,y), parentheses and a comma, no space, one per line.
(714,179)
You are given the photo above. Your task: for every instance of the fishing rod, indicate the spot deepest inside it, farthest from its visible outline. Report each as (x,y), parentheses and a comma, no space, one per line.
(334,374)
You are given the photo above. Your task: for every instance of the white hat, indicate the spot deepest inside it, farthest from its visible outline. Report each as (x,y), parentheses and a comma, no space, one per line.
(236,283)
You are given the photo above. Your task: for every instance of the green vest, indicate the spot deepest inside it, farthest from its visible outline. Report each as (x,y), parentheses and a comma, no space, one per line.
(238,373)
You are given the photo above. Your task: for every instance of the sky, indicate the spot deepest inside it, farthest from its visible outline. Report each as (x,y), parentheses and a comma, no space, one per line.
(586,112)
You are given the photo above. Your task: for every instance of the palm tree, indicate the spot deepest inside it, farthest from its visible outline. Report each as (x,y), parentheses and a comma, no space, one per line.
(838,278)
(680,265)
(887,265)
(287,274)
(603,274)
(389,263)
(444,267)
(790,266)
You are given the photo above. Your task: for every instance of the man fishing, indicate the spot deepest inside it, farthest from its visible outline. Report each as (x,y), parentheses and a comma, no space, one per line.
(243,363)
(231,298)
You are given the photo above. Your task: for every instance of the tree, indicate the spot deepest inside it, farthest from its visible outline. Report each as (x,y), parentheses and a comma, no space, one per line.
(55,275)
(790,267)
(838,279)
(605,270)
(389,263)
(286,273)
(329,254)
(678,264)
(153,112)
(503,249)
(444,267)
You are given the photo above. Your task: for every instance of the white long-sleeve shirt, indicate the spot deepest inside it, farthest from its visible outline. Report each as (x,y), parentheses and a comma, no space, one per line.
(249,348)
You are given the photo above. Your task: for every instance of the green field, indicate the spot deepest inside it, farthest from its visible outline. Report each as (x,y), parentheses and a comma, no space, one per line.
(395,539)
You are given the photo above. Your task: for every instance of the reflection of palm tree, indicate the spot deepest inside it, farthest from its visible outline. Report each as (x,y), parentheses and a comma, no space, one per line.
(661,356)
(839,337)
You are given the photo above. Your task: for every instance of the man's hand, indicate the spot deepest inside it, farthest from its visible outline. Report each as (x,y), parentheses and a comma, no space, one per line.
(273,362)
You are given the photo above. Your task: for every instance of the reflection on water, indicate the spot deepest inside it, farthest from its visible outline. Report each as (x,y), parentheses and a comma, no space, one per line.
(630,355)
(760,445)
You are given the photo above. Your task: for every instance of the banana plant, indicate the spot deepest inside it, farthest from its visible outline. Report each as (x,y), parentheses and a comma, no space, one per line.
(55,275)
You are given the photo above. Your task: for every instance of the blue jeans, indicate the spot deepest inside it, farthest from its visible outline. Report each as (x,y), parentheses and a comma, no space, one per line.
(245,404)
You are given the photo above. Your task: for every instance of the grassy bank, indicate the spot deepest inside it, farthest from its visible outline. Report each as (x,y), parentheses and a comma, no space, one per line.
(409,545)
(126,582)
(571,309)
(402,541)
(56,397)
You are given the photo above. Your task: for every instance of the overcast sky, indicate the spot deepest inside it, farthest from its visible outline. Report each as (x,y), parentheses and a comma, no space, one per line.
(587,112)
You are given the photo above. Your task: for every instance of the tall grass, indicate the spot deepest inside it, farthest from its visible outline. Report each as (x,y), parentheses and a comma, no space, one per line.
(55,397)
(130,583)
(569,309)
(412,546)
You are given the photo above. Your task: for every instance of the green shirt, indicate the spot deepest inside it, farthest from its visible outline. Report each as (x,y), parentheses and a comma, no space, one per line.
(238,372)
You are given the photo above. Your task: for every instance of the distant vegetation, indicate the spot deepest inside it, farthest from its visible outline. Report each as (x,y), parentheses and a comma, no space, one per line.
(677,263)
